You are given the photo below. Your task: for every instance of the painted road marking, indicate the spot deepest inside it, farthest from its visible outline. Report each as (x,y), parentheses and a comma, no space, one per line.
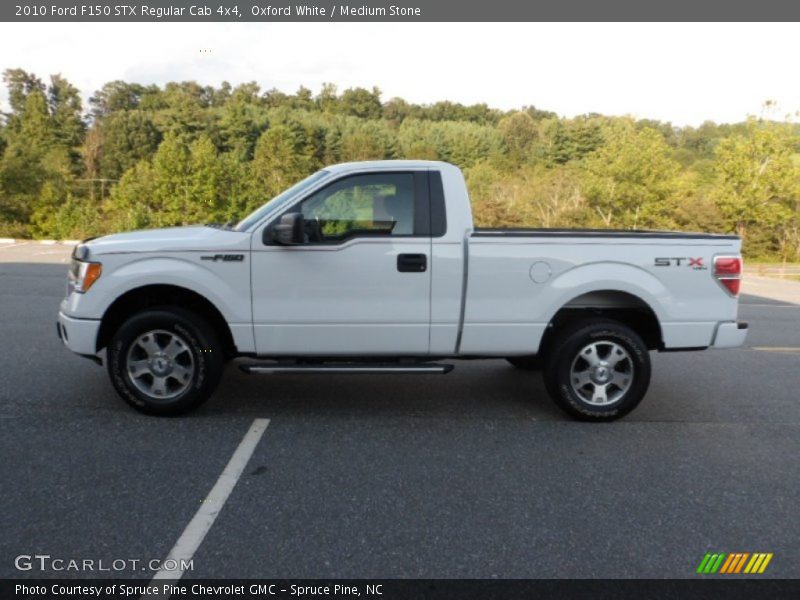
(198,527)
(789,349)
(765,305)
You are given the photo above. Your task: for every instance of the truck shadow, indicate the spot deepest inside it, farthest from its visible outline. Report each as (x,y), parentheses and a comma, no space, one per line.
(486,389)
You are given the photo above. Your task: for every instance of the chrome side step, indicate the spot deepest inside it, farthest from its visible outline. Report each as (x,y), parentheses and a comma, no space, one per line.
(361,368)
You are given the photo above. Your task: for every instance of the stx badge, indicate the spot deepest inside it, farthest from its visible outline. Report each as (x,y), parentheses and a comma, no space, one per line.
(694,263)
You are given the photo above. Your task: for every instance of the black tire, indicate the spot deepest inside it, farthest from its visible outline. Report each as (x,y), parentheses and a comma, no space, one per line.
(199,358)
(526,363)
(566,367)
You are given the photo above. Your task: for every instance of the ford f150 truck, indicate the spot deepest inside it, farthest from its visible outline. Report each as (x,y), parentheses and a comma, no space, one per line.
(376,267)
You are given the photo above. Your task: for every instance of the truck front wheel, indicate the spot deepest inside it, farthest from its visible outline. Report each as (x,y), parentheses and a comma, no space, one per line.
(597,370)
(165,361)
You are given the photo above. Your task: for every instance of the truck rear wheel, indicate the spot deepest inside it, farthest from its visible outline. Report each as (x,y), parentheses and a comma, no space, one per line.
(165,361)
(597,370)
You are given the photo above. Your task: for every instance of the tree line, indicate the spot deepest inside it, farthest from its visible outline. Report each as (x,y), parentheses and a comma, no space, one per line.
(143,156)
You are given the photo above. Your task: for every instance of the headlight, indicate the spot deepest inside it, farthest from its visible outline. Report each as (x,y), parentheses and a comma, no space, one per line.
(82,275)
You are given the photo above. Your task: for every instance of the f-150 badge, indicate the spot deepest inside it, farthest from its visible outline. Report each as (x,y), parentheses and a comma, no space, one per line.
(224,257)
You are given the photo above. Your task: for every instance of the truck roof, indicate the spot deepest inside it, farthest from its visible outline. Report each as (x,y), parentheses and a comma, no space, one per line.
(387,164)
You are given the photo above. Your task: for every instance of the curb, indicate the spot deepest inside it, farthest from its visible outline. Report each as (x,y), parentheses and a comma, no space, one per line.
(43,242)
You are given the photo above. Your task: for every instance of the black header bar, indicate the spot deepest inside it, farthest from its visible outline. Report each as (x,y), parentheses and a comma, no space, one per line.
(402,589)
(397,10)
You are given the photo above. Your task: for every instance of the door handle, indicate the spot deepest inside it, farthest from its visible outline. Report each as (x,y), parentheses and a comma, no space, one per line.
(412,263)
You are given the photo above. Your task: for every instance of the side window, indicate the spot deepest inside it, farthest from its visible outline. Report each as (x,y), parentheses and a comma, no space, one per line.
(371,204)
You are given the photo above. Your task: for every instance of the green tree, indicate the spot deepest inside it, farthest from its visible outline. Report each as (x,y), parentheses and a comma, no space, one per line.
(158,192)
(520,134)
(172,174)
(186,152)
(242,121)
(115,96)
(127,137)
(328,100)
(396,110)
(362,103)
(20,84)
(134,203)
(758,180)
(65,108)
(206,193)
(280,160)
(630,181)
(184,184)
(532,196)
(24,167)
(367,140)
(303,99)
(187,110)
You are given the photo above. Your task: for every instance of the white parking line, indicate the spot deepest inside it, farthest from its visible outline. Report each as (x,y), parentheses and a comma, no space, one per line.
(765,305)
(198,527)
(783,349)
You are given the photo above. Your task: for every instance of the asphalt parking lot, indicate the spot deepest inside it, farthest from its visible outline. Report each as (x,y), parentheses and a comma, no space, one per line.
(474,474)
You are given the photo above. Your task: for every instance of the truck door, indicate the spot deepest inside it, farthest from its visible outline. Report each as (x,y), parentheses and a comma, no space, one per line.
(361,282)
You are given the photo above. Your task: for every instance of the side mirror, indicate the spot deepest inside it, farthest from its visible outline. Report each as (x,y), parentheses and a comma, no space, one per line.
(290,231)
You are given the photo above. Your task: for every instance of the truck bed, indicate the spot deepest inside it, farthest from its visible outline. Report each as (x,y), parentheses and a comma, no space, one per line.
(518,278)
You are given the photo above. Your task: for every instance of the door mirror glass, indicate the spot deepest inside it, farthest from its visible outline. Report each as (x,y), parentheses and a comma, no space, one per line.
(290,230)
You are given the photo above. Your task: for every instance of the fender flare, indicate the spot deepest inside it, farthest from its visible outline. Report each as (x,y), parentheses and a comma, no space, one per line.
(606,276)
(175,272)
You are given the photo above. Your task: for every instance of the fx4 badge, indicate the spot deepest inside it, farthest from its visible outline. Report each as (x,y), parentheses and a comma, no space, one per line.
(694,263)
(224,257)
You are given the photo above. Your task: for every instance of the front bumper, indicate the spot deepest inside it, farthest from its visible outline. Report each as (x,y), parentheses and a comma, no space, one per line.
(79,335)
(730,335)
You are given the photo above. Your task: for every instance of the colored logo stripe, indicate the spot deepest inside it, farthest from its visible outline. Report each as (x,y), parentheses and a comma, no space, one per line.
(758,563)
(710,563)
(734,563)
(727,564)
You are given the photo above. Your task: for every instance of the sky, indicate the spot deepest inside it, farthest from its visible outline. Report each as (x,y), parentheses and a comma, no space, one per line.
(681,73)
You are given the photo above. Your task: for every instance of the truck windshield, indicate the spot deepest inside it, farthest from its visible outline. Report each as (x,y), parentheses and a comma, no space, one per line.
(279,200)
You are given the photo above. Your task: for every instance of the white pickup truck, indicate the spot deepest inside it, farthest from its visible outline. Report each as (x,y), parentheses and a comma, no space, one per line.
(376,267)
